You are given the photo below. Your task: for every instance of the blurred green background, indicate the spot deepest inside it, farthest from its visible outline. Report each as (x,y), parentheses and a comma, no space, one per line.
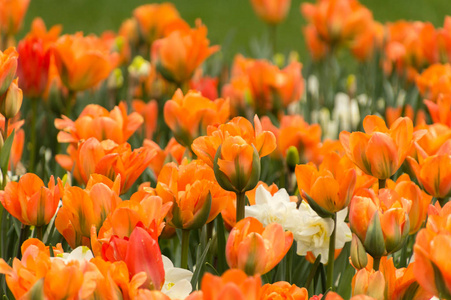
(231,23)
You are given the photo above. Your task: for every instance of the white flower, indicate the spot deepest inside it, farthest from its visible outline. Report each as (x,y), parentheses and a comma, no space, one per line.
(273,209)
(177,281)
(81,254)
(313,232)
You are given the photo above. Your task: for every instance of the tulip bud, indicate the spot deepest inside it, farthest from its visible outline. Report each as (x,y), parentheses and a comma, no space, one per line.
(359,257)
(8,68)
(116,79)
(11,101)
(139,67)
(292,158)
(374,241)
(242,179)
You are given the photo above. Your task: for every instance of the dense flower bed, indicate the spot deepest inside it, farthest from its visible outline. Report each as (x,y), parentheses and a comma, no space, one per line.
(139,165)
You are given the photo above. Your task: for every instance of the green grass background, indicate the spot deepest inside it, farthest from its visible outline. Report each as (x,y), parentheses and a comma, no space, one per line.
(230,22)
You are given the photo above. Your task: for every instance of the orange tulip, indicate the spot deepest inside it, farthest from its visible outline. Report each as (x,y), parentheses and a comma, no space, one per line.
(337,22)
(380,151)
(368,42)
(434,172)
(146,210)
(158,20)
(179,54)
(12,13)
(247,249)
(284,290)
(294,131)
(106,158)
(369,283)
(409,47)
(432,245)
(141,253)
(263,84)
(188,116)
(83,61)
(234,150)
(149,113)
(84,208)
(440,110)
(25,273)
(434,81)
(331,186)
(419,200)
(174,152)
(95,121)
(30,201)
(381,222)
(8,67)
(196,196)
(232,284)
(273,11)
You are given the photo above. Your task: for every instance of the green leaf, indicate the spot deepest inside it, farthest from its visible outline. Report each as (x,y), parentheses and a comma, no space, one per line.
(221,239)
(200,265)
(6,151)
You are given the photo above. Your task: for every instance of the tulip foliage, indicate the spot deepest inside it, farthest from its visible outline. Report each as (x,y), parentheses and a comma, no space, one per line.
(145,164)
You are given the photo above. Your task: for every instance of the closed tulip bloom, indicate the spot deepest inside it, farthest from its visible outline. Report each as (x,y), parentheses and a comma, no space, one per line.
(82,209)
(247,249)
(381,222)
(8,68)
(33,67)
(434,172)
(30,201)
(12,13)
(11,101)
(189,115)
(180,53)
(380,151)
(234,150)
(141,253)
(432,245)
(331,186)
(370,283)
(96,121)
(271,11)
(83,61)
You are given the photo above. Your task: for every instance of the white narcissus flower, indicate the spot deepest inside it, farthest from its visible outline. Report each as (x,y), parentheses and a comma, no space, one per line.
(313,232)
(177,281)
(273,209)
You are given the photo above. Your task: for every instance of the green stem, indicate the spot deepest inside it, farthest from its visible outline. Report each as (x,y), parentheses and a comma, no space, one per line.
(185,248)
(376,263)
(34,107)
(382,183)
(240,203)
(331,260)
(23,236)
(289,264)
(39,233)
(273,37)
(313,271)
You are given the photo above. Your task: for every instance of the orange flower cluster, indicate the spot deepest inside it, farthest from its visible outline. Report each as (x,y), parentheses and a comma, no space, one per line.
(263,85)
